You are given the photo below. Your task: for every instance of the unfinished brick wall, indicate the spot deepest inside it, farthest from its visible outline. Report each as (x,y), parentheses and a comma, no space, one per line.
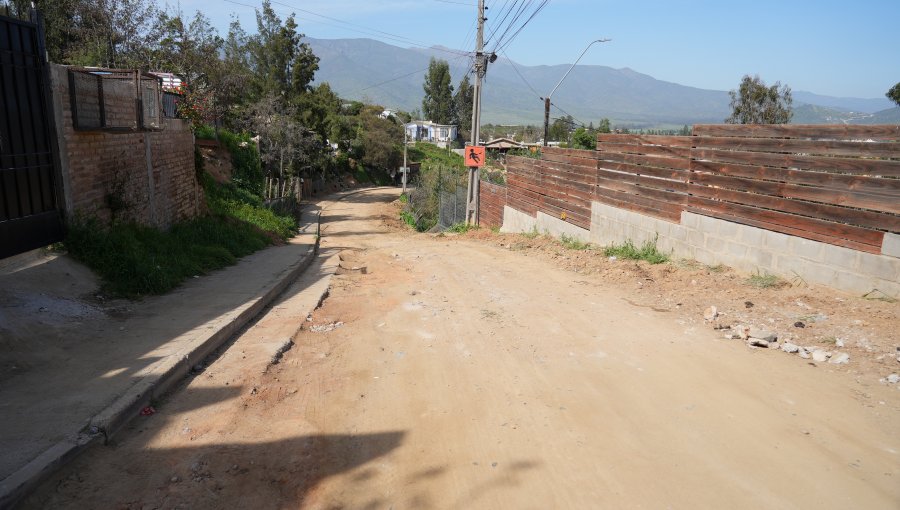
(142,176)
(491,200)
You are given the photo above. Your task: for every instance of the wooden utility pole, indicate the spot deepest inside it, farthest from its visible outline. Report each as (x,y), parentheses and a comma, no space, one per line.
(480,70)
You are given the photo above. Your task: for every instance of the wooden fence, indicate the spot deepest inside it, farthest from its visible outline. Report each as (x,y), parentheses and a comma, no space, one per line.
(835,184)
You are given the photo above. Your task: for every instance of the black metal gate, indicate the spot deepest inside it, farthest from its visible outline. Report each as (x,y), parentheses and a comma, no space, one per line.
(29,210)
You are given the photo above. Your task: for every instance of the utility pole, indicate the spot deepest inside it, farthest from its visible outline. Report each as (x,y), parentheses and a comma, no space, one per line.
(547,99)
(480,70)
(405,169)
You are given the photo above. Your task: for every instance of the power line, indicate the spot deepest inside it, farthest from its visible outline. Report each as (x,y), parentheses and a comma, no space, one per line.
(516,69)
(365,31)
(567,113)
(501,47)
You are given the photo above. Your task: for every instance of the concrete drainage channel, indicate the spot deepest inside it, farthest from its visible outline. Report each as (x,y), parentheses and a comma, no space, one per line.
(171,371)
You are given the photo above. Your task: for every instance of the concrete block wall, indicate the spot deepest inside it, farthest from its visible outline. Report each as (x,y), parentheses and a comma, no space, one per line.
(149,173)
(714,241)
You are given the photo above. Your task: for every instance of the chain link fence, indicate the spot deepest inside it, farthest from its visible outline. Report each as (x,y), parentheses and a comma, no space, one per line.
(437,199)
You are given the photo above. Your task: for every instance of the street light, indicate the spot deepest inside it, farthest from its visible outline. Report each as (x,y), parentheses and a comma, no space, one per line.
(547,99)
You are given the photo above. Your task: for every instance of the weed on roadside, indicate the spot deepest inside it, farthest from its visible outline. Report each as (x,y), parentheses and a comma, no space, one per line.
(461,228)
(627,250)
(533,234)
(765,281)
(573,243)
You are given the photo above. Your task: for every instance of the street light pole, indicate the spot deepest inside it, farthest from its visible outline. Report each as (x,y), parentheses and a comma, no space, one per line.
(547,99)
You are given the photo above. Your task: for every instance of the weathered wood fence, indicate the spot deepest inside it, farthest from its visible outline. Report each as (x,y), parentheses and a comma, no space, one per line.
(835,184)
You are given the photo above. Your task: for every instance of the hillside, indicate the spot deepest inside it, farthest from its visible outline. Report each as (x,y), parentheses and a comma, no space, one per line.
(370,70)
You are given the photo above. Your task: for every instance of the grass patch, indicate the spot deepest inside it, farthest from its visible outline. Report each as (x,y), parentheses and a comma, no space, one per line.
(627,250)
(764,281)
(135,260)
(461,228)
(573,243)
(404,198)
(408,218)
(533,234)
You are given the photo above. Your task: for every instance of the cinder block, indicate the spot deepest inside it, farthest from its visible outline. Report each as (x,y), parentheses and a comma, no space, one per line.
(689,219)
(849,281)
(841,257)
(705,256)
(678,232)
(891,245)
(751,236)
(727,230)
(776,241)
(806,248)
(736,250)
(879,266)
(696,238)
(763,259)
(715,244)
(789,264)
(889,287)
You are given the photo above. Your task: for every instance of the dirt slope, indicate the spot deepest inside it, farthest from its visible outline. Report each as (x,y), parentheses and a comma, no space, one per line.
(448,373)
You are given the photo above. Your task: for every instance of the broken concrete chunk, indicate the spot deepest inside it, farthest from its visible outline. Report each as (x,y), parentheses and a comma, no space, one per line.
(790,348)
(840,358)
(762,334)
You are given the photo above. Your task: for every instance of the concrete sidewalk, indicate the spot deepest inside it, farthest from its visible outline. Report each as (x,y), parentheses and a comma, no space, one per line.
(74,370)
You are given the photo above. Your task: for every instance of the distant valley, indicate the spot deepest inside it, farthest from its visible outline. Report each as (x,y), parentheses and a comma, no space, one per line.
(366,69)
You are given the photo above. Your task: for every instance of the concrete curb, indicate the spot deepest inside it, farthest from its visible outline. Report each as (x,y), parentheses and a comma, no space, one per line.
(166,375)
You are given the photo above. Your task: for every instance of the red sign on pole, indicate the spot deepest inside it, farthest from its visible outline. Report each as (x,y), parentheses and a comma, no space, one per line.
(474,156)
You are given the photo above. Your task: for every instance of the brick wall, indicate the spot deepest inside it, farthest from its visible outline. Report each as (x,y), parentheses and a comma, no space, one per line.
(143,176)
(491,201)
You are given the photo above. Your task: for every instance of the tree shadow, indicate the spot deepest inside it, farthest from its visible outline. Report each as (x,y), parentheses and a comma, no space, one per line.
(269,474)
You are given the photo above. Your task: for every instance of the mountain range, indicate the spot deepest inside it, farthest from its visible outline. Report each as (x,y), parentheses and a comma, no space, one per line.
(376,72)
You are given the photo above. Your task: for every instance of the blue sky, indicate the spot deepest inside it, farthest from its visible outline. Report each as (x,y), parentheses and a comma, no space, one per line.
(836,48)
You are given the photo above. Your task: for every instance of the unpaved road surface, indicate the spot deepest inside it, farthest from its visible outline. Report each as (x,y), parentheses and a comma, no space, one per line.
(456,375)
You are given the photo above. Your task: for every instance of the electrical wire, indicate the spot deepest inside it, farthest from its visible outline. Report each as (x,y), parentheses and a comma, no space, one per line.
(516,69)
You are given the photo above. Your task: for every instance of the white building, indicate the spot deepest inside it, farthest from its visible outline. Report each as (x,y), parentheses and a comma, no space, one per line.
(427,131)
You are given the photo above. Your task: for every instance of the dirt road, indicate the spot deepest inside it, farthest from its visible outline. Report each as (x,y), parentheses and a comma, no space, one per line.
(456,375)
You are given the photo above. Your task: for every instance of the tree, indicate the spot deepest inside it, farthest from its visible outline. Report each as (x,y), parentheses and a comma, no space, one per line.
(280,62)
(583,139)
(438,102)
(463,105)
(894,94)
(755,103)
(604,126)
(559,130)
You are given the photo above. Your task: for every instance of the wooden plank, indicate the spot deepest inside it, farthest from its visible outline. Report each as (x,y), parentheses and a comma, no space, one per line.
(792,145)
(822,229)
(869,219)
(576,153)
(650,150)
(821,179)
(855,166)
(838,132)
(639,204)
(661,173)
(846,198)
(636,159)
(787,230)
(670,141)
(668,197)
(560,200)
(652,182)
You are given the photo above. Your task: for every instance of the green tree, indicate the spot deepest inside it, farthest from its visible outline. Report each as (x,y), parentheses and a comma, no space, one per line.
(463,105)
(894,94)
(437,106)
(559,130)
(280,62)
(583,139)
(755,103)
(604,126)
